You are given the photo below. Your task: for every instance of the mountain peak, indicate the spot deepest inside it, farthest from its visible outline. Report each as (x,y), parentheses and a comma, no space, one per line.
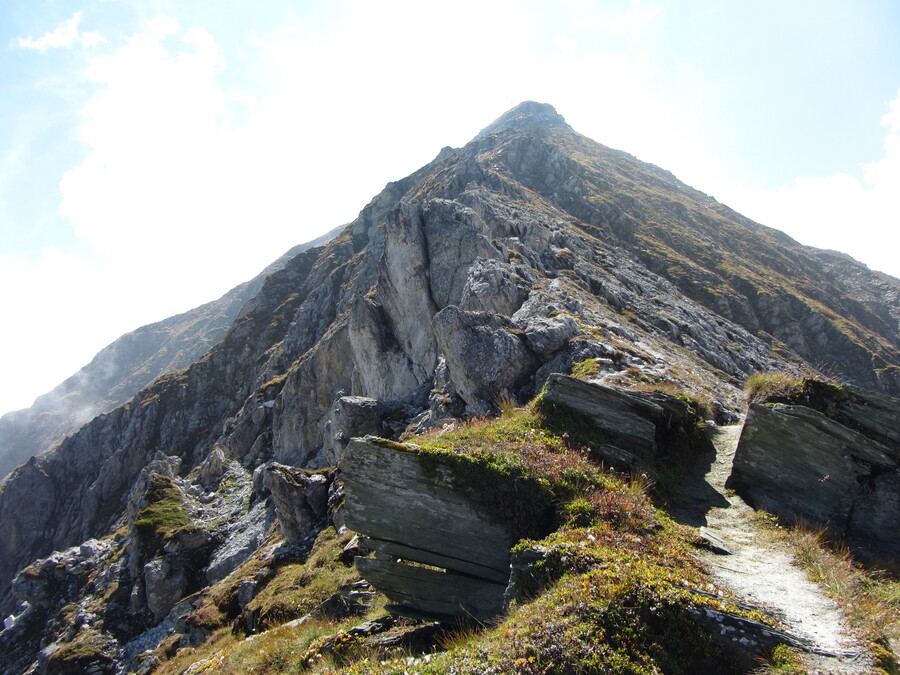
(528,116)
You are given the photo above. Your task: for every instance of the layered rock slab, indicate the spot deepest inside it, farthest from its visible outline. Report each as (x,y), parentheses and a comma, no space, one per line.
(632,424)
(840,470)
(412,512)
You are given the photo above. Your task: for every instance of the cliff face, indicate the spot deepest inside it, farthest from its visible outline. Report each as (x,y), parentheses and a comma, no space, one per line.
(527,251)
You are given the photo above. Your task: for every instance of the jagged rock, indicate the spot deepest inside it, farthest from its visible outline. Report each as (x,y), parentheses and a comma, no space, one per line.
(529,221)
(242,434)
(301,500)
(802,464)
(493,286)
(124,367)
(240,542)
(349,416)
(484,358)
(165,585)
(544,337)
(212,468)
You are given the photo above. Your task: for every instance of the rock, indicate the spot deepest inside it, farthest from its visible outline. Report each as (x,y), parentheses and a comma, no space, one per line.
(803,465)
(240,542)
(483,358)
(493,286)
(544,337)
(349,416)
(246,591)
(301,500)
(408,513)
(638,423)
(212,468)
(165,585)
(242,434)
(722,416)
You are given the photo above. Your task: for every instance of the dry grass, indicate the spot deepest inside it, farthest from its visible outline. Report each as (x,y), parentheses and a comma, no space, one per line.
(870,598)
(762,386)
(782,661)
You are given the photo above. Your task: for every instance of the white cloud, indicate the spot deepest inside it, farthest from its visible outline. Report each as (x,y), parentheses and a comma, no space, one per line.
(66,35)
(840,212)
(47,298)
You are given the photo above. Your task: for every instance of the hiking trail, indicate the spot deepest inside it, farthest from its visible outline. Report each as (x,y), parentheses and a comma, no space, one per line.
(761,569)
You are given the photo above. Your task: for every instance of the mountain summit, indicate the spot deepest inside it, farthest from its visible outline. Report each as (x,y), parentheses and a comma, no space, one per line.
(528,117)
(529,252)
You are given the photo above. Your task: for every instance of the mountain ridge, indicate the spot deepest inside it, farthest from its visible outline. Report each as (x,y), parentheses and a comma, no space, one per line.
(531,250)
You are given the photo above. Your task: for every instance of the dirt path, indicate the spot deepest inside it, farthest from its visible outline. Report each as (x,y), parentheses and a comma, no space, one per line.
(760,568)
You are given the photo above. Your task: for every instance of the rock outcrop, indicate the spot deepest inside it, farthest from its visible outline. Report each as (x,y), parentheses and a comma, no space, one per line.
(838,466)
(630,424)
(411,510)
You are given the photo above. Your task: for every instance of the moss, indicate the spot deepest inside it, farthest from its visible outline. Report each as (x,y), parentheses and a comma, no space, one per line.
(586,370)
(562,419)
(502,483)
(783,661)
(765,386)
(296,587)
(392,445)
(165,513)
(86,649)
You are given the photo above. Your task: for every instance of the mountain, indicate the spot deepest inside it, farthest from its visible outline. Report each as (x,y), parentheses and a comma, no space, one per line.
(458,290)
(126,366)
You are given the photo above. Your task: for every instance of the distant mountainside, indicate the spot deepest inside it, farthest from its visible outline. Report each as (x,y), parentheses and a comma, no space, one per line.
(126,366)
(530,251)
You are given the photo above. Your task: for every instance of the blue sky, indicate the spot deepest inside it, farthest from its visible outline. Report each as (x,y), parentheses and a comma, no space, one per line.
(154,154)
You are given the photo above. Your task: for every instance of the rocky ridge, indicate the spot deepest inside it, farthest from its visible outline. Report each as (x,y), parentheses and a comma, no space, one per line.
(530,251)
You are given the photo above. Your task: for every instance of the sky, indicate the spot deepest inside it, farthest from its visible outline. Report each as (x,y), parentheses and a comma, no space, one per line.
(155,154)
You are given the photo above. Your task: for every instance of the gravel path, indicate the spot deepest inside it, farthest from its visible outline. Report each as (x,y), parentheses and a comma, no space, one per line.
(761,569)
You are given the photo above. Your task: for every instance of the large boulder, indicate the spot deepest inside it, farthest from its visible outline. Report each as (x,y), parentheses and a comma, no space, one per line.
(837,467)
(642,424)
(301,500)
(413,510)
(484,358)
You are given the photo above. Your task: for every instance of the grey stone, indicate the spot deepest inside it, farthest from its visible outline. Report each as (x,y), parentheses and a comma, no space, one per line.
(483,358)
(164,584)
(301,500)
(409,514)
(349,416)
(544,337)
(801,464)
(212,468)
(626,418)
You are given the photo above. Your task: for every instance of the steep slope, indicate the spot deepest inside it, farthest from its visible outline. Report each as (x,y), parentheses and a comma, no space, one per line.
(126,366)
(528,251)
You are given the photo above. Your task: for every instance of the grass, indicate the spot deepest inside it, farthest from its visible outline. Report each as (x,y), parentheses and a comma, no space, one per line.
(517,467)
(782,661)
(297,588)
(586,370)
(87,648)
(165,513)
(870,598)
(602,599)
(765,386)
(292,590)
